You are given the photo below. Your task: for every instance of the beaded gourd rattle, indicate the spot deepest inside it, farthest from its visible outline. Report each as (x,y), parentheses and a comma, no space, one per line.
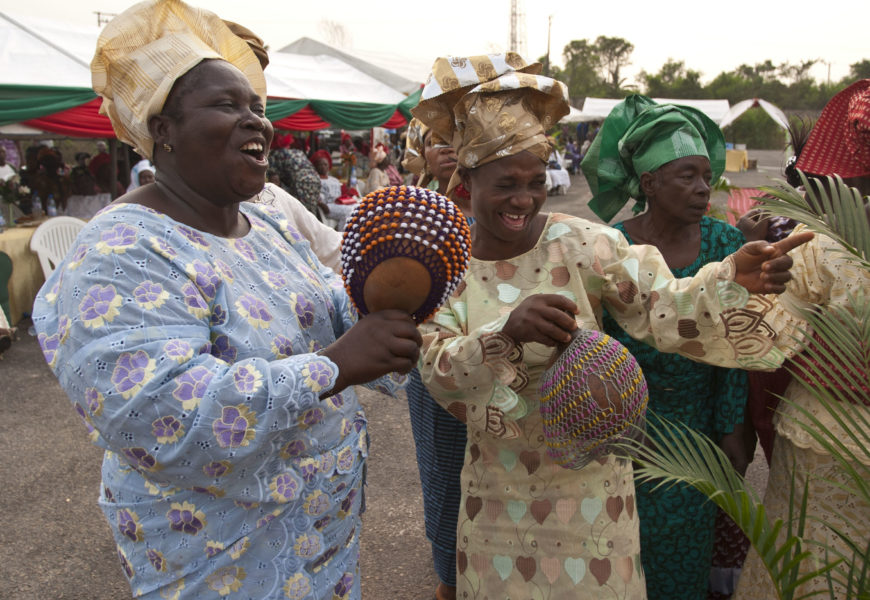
(404,247)
(592,397)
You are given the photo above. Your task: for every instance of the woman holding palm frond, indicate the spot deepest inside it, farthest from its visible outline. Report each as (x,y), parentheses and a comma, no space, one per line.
(823,427)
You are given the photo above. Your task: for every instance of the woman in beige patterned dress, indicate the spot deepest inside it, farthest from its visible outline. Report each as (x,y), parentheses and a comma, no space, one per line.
(529,528)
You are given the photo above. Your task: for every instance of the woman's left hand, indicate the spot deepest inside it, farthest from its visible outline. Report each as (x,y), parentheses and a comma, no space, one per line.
(763,268)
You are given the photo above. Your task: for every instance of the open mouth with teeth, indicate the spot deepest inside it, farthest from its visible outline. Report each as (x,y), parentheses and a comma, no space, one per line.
(512,221)
(255,150)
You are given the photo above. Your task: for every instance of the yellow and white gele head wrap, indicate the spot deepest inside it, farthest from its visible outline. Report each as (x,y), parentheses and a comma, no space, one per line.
(506,116)
(144,50)
(453,76)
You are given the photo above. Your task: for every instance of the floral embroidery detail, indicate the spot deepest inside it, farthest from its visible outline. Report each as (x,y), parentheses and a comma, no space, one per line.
(212,490)
(275,280)
(234,428)
(292,449)
(343,587)
(120,237)
(162,248)
(226,580)
(254,310)
(185,518)
(213,548)
(92,433)
(303,308)
(311,417)
(205,278)
(240,547)
(225,271)
(221,348)
(347,504)
(319,524)
(307,545)
(100,305)
(178,350)
(284,487)
(282,347)
(194,237)
(194,301)
(49,345)
(316,504)
(77,257)
(51,295)
(318,375)
(173,590)
(140,459)
(266,519)
(327,463)
(128,525)
(125,564)
(63,326)
(155,557)
(190,386)
(247,379)
(217,468)
(132,371)
(150,295)
(218,316)
(308,468)
(167,430)
(297,587)
(94,400)
(345,461)
(244,249)
(246,504)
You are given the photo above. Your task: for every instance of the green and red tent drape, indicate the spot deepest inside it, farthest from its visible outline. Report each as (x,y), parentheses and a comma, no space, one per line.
(75,112)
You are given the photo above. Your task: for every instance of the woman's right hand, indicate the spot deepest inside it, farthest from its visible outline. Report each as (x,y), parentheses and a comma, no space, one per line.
(379,343)
(543,318)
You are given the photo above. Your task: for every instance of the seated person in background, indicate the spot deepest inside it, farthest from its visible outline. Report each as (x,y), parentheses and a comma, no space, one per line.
(330,190)
(295,172)
(145,176)
(378,178)
(134,172)
(82,182)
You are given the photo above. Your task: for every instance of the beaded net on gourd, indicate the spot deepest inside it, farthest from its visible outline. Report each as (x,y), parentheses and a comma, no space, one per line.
(408,222)
(592,397)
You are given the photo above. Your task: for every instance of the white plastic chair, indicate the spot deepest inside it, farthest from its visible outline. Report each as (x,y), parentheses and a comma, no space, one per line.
(53,239)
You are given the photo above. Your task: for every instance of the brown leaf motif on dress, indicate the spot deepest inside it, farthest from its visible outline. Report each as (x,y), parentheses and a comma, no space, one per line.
(693,349)
(473,504)
(601,569)
(526,565)
(461,561)
(495,422)
(540,510)
(457,409)
(627,291)
(503,270)
(495,345)
(560,276)
(531,460)
(688,328)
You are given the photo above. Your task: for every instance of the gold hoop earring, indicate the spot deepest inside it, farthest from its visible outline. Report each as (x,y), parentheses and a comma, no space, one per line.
(167,148)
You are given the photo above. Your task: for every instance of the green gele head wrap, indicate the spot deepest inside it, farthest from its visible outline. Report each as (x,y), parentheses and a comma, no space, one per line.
(640,136)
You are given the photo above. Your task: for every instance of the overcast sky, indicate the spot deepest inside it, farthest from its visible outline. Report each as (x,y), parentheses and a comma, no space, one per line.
(710,37)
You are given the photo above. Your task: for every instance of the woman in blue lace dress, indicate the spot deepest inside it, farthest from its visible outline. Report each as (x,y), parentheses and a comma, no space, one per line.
(205,347)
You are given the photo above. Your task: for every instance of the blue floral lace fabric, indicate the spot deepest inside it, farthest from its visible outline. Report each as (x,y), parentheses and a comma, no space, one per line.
(676,522)
(192,360)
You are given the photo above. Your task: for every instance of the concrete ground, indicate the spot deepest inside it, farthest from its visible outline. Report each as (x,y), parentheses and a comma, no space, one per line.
(54,543)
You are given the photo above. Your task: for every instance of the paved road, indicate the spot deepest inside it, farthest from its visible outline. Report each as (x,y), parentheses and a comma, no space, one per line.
(54,543)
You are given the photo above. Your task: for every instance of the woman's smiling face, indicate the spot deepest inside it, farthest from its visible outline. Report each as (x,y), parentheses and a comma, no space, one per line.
(219,132)
(506,196)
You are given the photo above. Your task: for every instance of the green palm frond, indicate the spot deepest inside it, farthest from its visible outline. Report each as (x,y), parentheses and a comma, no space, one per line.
(682,455)
(835,210)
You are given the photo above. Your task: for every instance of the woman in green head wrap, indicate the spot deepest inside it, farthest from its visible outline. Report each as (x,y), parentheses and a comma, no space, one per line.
(666,157)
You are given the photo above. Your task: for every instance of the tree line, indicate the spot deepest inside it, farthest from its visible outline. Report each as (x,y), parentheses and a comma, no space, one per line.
(596,69)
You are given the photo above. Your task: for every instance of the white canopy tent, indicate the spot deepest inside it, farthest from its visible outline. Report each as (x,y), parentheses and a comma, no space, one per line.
(597,109)
(741,107)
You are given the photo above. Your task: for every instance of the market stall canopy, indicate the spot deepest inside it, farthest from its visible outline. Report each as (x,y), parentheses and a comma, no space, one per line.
(597,109)
(741,107)
(45,84)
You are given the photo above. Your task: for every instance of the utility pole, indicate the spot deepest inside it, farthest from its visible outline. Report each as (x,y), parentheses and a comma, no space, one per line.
(517,42)
(104,17)
(549,29)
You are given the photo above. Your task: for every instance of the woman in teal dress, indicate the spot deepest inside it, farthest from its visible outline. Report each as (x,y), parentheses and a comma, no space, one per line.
(676,522)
